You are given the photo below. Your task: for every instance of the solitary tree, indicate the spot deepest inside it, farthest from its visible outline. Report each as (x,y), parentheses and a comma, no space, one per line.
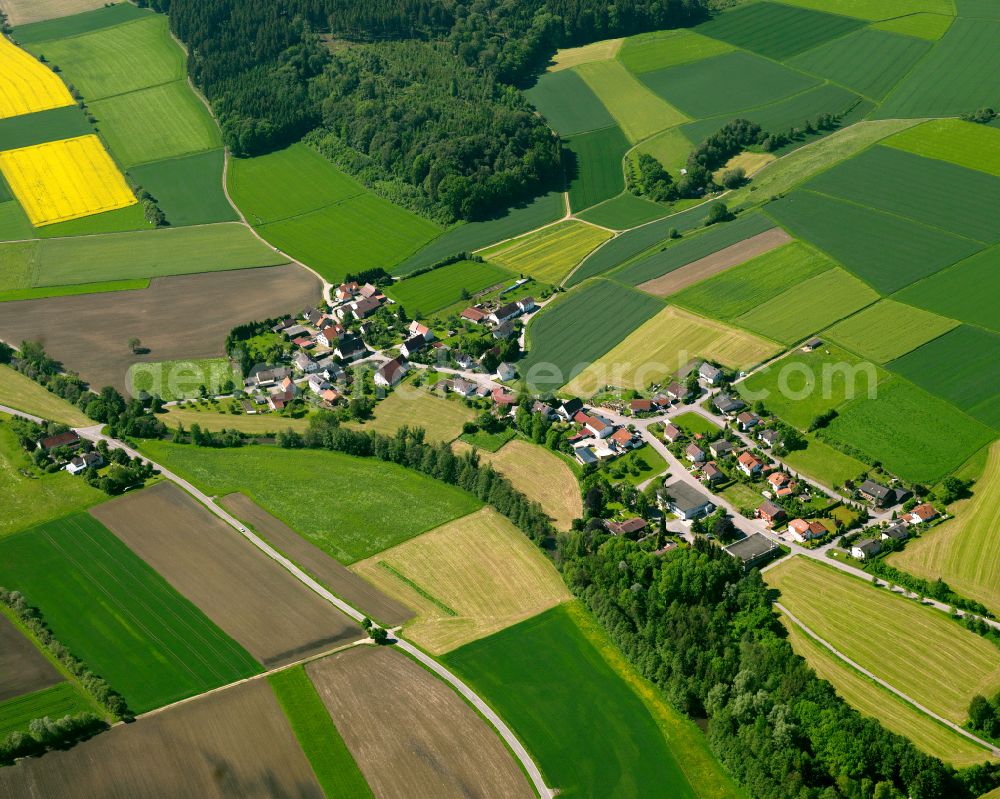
(133,344)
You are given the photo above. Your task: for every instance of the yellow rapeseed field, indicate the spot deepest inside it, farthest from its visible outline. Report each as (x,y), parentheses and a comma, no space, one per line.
(65,179)
(26,85)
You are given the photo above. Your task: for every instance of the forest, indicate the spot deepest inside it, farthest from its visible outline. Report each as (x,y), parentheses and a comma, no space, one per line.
(414,97)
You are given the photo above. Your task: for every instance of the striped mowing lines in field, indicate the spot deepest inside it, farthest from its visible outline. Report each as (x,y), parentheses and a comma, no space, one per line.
(26,85)
(65,179)
(647,52)
(923,26)
(151,644)
(964,143)
(63,699)
(549,254)
(876,9)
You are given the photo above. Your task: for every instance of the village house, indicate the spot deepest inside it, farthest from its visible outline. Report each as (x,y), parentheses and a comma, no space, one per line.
(770,513)
(596,425)
(778,479)
(503,331)
(639,406)
(67,439)
(345,291)
(390,373)
(865,548)
(464,388)
(329,396)
(417,329)
(350,348)
(876,493)
(370,292)
(331,334)
(412,346)
(505,313)
(754,550)
(624,439)
(769,438)
(629,527)
(694,453)
(279,399)
(801,531)
(80,463)
(921,513)
(711,374)
(463,359)
(545,410)
(570,408)
(726,404)
(294,331)
(284,323)
(505,372)
(474,315)
(304,363)
(504,398)
(721,448)
(712,474)
(444,386)
(527,304)
(317,383)
(895,532)
(749,464)
(264,378)
(672,433)
(584,455)
(677,391)
(304,342)
(747,420)
(314,316)
(684,500)
(812,344)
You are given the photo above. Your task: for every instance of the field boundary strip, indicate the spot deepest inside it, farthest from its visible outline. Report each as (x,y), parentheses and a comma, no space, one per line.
(421,591)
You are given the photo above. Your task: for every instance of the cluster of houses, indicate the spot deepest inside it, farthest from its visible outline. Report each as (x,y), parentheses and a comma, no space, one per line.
(597,438)
(898,530)
(500,316)
(68,444)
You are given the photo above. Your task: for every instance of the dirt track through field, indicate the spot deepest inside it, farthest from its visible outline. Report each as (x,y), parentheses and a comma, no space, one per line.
(410,734)
(710,265)
(23,669)
(176,317)
(235,743)
(261,605)
(338,578)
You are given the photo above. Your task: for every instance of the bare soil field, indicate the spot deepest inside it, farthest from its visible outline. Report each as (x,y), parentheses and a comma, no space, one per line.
(233,743)
(23,669)
(338,578)
(187,316)
(21,12)
(710,265)
(409,733)
(253,599)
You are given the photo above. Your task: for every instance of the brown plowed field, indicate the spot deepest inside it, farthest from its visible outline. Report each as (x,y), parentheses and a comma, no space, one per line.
(176,317)
(23,668)
(704,268)
(338,578)
(252,598)
(234,743)
(409,733)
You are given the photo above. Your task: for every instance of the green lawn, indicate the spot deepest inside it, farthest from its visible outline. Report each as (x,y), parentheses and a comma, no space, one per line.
(144,638)
(671,148)
(595,166)
(336,772)
(648,52)
(691,423)
(442,287)
(370,505)
(568,104)
(174,380)
(31,497)
(490,442)
(821,462)
(535,673)
(188,189)
(56,701)
(889,329)
(156,123)
(964,143)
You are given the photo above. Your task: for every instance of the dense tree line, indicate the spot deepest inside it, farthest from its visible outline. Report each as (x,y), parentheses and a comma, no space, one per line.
(414,97)
(705,634)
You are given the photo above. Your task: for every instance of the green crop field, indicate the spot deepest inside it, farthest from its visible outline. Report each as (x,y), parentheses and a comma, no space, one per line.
(549,254)
(870,62)
(31,497)
(888,330)
(557,354)
(148,641)
(442,287)
(287,183)
(964,143)
(568,104)
(957,76)
(808,307)
(822,462)
(62,699)
(638,111)
(912,433)
(916,649)
(119,59)
(389,503)
(121,220)
(742,288)
(961,366)
(926,190)
(687,250)
(359,233)
(803,385)
(648,52)
(17,264)
(982,9)
(77,24)
(156,123)
(725,83)
(595,166)
(475,235)
(188,189)
(924,26)
(120,256)
(175,380)
(876,9)
(966,291)
(886,251)
(671,148)
(534,674)
(43,126)
(777,31)
(624,211)
(331,761)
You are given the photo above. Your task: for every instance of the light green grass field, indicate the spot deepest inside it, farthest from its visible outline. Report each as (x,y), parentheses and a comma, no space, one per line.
(742,288)
(440,418)
(119,59)
(31,497)
(691,422)
(24,394)
(964,143)
(888,330)
(876,9)
(150,643)
(569,57)
(648,52)
(77,24)
(810,306)
(56,701)
(331,761)
(68,291)
(156,123)
(18,262)
(120,220)
(820,461)
(188,189)
(388,504)
(671,148)
(169,251)
(549,255)
(442,287)
(14,224)
(568,104)
(638,111)
(174,380)
(595,170)
(923,26)
(916,649)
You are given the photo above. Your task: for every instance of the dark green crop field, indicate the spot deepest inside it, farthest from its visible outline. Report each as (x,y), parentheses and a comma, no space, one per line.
(442,287)
(77,24)
(568,103)
(595,166)
(43,126)
(886,251)
(116,614)
(188,189)
(61,699)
